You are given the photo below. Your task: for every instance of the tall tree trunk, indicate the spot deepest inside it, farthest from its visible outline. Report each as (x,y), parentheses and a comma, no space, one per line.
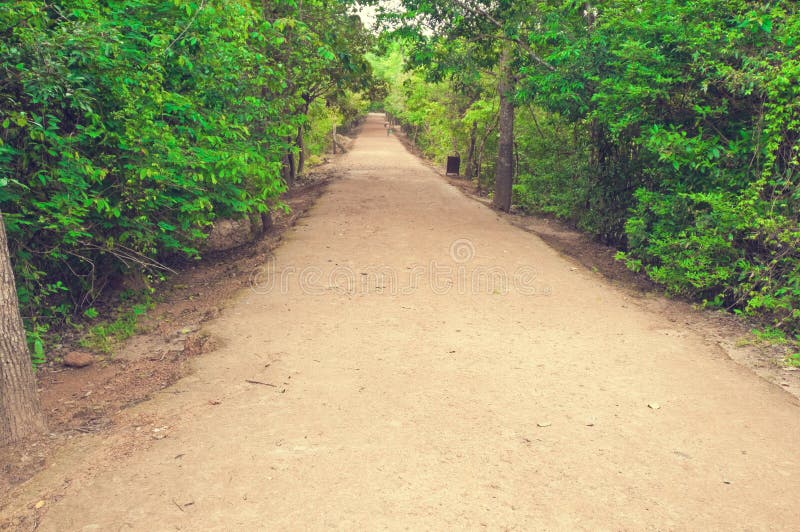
(473,137)
(292,169)
(300,140)
(266,221)
(504,170)
(289,166)
(20,413)
(478,169)
(260,223)
(301,146)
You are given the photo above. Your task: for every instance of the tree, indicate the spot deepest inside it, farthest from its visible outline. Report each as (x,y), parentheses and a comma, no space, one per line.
(20,413)
(504,171)
(670,129)
(457,38)
(323,57)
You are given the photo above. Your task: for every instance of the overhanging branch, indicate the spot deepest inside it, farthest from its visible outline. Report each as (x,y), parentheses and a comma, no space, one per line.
(519,42)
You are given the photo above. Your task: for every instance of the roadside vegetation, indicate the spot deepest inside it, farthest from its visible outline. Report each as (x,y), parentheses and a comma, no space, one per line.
(668,129)
(127,128)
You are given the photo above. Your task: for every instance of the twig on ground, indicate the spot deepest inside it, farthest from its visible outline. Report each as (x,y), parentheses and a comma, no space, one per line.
(259,382)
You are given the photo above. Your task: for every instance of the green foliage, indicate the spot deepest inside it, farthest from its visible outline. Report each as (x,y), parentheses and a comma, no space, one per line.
(670,128)
(36,341)
(127,128)
(692,116)
(105,336)
(321,120)
(436,117)
(552,165)
(770,334)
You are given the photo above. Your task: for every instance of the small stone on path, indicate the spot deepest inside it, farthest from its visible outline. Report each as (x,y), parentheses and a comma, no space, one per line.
(78,359)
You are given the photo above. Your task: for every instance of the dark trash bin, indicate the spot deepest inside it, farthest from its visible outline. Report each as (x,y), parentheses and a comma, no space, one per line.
(453,165)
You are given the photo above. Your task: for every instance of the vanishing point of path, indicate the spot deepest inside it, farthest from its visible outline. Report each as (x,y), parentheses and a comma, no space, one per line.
(427,366)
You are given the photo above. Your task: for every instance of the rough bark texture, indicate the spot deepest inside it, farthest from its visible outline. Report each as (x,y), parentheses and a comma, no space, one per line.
(473,138)
(266,221)
(505,153)
(289,168)
(301,154)
(20,414)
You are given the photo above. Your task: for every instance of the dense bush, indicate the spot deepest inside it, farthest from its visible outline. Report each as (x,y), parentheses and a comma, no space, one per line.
(127,128)
(670,129)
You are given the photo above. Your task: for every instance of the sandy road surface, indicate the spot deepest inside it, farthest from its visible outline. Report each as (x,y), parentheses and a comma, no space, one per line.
(428,366)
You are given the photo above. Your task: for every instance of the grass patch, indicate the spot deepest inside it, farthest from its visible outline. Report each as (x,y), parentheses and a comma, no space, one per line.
(103,337)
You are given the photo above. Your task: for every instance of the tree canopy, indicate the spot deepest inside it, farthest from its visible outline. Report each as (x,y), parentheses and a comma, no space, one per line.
(669,129)
(127,127)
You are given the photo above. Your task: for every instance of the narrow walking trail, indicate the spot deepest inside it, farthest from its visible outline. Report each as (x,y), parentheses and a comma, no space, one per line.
(411,361)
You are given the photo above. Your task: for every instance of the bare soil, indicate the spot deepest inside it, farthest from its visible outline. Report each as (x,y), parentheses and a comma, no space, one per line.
(408,358)
(734,334)
(94,399)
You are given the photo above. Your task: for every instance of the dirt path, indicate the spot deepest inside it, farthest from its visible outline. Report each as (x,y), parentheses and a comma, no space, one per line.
(416,363)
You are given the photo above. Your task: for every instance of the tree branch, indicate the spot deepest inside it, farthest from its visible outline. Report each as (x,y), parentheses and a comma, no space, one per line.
(189,25)
(519,42)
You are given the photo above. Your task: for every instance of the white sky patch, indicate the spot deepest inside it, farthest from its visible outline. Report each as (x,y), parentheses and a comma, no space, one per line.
(369,14)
